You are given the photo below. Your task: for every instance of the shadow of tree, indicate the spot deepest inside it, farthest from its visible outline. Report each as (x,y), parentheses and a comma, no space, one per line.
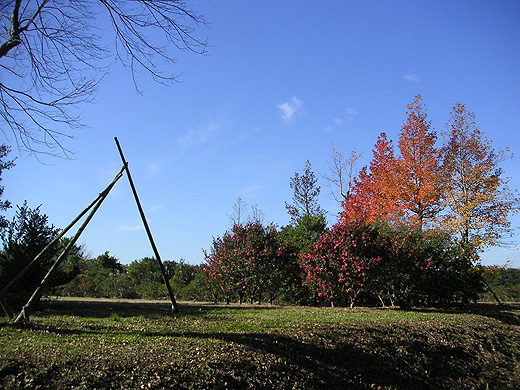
(341,361)
(130,308)
(505,313)
(352,356)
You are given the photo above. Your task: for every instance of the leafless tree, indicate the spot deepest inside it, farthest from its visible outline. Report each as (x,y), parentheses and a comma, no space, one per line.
(238,215)
(342,174)
(239,209)
(257,215)
(54,53)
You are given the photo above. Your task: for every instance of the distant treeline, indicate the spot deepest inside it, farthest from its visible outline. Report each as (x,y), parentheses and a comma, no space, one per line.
(105,277)
(504,282)
(352,263)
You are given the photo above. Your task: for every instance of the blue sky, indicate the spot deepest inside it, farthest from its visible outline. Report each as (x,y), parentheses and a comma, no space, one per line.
(282,82)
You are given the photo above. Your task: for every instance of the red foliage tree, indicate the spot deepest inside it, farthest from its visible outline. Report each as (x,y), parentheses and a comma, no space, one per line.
(405,188)
(373,197)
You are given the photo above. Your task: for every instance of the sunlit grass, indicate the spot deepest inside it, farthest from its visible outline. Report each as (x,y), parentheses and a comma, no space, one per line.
(217,346)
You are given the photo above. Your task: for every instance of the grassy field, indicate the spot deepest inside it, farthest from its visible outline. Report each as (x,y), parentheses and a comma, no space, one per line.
(127,345)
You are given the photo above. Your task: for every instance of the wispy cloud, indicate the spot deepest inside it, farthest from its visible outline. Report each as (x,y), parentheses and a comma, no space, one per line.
(413,78)
(290,108)
(253,189)
(155,208)
(202,135)
(348,114)
(351,112)
(130,228)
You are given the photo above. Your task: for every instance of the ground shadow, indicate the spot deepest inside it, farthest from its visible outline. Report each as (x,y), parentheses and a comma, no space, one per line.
(131,308)
(508,313)
(335,359)
(345,364)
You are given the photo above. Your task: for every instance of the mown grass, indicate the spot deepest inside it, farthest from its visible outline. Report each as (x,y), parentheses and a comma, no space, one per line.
(122,345)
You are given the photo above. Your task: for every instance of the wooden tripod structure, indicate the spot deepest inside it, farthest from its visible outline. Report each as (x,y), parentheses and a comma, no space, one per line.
(93,207)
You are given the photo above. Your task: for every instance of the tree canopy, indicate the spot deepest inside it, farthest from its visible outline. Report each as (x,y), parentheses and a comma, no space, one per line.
(456,187)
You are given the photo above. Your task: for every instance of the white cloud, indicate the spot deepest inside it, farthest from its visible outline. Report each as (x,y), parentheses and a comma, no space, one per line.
(253,190)
(200,136)
(130,228)
(339,121)
(413,78)
(351,112)
(290,108)
(155,208)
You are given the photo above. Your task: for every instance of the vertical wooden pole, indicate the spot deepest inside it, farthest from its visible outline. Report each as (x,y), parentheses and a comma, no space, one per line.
(175,307)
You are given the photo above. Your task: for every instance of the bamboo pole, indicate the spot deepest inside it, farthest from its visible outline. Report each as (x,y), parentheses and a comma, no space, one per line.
(24,313)
(492,292)
(57,238)
(175,307)
(7,309)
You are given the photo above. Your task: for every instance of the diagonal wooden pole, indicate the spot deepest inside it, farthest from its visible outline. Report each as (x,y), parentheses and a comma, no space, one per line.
(6,288)
(24,313)
(175,307)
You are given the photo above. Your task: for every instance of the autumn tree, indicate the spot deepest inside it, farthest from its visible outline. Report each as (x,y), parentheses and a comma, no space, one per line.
(305,197)
(417,176)
(475,193)
(53,55)
(373,196)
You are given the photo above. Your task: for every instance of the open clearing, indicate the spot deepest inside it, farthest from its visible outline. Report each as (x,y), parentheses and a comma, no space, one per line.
(97,344)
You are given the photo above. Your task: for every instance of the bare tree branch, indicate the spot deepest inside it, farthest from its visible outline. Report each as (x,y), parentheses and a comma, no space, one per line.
(342,173)
(53,55)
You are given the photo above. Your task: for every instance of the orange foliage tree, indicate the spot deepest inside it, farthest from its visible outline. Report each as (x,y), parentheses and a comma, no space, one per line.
(373,197)
(458,188)
(400,189)
(417,168)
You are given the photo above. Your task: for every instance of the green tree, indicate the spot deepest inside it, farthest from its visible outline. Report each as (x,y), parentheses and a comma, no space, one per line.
(181,274)
(146,278)
(308,229)
(305,195)
(299,237)
(4,165)
(504,282)
(106,261)
(101,277)
(25,237)
(182,280)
